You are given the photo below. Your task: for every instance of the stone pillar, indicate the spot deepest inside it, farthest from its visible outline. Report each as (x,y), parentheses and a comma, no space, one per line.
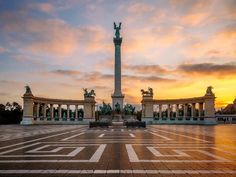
(200,109)
(37,110)
(59,111)
(148,109)
(117,96)
(168,111)
(160,111)
(185,111)
(28,109)
(51,111)
(89,108)
(68,112)
(76,112)
(210,107)
(209,116)
(177,110)
(45,110)
(193,110)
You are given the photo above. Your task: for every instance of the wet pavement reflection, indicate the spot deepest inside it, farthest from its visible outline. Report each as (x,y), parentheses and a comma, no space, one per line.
(158,150)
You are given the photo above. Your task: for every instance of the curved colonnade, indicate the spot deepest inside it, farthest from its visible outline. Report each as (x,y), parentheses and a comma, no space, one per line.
(38,110)
(196,110)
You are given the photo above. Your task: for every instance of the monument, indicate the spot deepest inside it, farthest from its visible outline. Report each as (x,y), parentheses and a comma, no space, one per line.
(195,110)
(117,96)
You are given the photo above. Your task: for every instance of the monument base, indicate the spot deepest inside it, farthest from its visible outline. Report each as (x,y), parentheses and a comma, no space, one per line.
(210,120)
(27,121)
(117,118)
(117,99)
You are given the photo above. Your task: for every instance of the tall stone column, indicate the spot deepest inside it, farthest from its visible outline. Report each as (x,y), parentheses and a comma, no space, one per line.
(117,96)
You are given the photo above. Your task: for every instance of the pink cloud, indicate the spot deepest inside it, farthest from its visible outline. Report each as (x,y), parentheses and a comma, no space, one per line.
(44,7)
(194,19)
(2,49)
(54,36)
(223,41)
(139,8)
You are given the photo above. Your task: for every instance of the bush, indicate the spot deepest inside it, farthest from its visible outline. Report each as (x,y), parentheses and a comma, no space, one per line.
(10,113)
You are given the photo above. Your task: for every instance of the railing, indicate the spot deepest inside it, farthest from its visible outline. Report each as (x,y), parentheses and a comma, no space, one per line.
(226,119)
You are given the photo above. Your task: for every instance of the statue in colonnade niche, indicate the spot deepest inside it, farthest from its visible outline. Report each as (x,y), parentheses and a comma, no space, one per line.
(64,115)
(80,115)
(56,115)
(72,115)
(89,94)
(149,92)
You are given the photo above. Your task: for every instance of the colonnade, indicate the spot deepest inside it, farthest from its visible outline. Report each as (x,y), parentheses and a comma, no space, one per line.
(44,110)
(56,113)
(202,108)
(173,110)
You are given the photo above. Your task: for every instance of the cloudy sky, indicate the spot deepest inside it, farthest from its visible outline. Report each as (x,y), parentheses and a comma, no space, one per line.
(177,47)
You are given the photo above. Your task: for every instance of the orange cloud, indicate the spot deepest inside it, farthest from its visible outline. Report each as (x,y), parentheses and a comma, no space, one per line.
(221,45)
(194,19)
(52,36)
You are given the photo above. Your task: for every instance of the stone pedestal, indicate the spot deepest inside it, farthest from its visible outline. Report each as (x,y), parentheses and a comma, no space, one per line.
(89,108)
(147,109)
(209,116)
(117,99)
(117,118)
(28,106)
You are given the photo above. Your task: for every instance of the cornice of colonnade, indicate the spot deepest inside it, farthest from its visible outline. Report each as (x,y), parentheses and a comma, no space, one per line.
(177,101)
(59,101)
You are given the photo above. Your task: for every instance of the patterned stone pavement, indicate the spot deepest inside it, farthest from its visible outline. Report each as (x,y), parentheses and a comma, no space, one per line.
(158,150)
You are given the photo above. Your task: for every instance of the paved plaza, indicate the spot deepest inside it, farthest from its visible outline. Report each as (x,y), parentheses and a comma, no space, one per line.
(158,150)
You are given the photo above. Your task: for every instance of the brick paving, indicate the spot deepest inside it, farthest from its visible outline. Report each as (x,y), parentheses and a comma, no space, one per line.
(158,150)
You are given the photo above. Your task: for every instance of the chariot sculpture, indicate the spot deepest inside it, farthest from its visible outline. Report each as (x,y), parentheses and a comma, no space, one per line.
(149,92)
(89,94)
(209,91)
(27,90)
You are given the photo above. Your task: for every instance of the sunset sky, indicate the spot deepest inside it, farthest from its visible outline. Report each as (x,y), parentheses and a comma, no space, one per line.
(177,47)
